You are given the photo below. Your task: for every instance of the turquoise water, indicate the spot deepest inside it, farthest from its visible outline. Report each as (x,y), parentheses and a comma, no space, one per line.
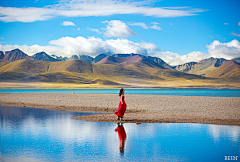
(172,92)
(49,135)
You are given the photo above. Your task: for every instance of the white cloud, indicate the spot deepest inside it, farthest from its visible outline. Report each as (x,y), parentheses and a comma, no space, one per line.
(78,28)
(154,23)
(226,24)
(224,50)
(156,27)
(216,49)
(150,46)
(117,28)
(175,7)
(238,23)
(95,30)
(176,59)
(235,34)
(143,25)
(8,47)
(67,46)
(84,8)
(67,23)
(30,14)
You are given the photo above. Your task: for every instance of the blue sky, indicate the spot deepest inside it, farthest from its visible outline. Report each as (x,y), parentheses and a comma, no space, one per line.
(176,31)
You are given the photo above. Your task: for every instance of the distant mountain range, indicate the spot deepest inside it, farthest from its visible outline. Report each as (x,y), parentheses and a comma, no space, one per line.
(87,58)
(43,57)
(116,69)
(124,60)
(60,58)
(203,67)
(72,71)
(16,55)
(236,59)
(1,55)
(132,69)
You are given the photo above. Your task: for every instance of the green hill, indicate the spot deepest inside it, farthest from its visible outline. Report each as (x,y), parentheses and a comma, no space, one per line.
(149,66)
(137,74)
(230,69)
(60,77)
(65,71)
(114,70)
(4,62)
(35,66)
(36,70)
(203,67)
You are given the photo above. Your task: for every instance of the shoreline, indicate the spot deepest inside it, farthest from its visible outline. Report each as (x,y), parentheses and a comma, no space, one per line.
(131,116)
(206,87)
(155,118)
(141,108)
(167,84)
(66,108)
(117,87)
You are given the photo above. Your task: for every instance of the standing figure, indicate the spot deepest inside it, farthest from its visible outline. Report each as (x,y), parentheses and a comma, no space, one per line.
(122,105)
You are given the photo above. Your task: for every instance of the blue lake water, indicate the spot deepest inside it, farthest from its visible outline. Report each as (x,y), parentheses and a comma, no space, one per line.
(172,92)
(32,135)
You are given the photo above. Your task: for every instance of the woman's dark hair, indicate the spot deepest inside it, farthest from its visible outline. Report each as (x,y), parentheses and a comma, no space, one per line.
(121,92)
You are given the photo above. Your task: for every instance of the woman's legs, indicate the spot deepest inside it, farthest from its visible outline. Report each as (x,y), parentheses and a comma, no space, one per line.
(120,118)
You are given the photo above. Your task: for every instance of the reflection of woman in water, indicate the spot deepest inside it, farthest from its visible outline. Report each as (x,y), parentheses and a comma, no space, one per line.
(122,105)
(122,136)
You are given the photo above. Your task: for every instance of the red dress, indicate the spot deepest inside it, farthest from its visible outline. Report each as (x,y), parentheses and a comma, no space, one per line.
(121,108)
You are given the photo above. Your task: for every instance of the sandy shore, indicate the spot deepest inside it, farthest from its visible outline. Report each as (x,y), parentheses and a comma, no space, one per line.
(140,108)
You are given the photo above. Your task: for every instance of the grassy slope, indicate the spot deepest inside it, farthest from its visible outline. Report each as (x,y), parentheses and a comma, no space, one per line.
(229,69)
(114,70)
(75,73)
(25,66)
(67,71)
(29,68)
(4,62)
(36,66)
(205,71)
(164,74)
(203,68)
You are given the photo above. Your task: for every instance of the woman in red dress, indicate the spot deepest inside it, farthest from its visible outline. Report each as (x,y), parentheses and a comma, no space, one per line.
(122,105)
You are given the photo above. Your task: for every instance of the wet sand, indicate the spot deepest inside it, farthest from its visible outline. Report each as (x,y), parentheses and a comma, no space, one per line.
(140,108)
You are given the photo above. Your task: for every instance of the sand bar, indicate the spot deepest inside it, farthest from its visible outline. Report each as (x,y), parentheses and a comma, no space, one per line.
(140,108)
